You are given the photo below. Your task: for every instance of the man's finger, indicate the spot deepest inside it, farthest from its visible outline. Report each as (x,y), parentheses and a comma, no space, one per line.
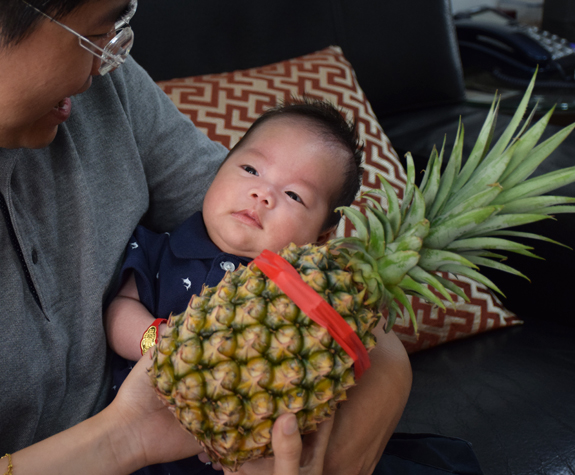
(286,442)
(315,445)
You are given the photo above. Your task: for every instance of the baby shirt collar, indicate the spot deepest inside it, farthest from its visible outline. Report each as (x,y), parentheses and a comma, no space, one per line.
(191,241)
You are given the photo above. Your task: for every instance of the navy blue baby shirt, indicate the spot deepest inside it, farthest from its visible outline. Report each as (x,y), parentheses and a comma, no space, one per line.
(172,267)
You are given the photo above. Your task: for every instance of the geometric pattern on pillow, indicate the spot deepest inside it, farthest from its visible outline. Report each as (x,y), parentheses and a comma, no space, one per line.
(224,105)
(483,312)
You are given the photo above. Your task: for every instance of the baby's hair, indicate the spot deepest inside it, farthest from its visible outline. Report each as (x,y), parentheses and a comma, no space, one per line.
(332,125)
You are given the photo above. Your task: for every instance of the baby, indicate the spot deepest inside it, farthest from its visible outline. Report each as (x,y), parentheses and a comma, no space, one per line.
(281,183)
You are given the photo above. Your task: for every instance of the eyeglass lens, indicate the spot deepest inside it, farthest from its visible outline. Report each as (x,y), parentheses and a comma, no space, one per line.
(121,44)
(118,48)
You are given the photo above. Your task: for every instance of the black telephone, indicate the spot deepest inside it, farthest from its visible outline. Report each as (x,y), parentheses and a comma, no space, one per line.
(490,40)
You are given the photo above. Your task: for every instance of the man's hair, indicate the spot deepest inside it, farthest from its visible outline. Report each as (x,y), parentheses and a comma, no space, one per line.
(18,20)
(331,124)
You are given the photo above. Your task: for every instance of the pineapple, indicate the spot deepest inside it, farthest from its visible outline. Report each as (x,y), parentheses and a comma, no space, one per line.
(243,353)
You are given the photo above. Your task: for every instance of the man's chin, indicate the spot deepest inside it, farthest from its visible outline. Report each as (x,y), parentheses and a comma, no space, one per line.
(33,139)
(39,145)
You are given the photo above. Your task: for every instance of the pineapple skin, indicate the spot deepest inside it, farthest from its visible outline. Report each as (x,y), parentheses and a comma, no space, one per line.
(243,353)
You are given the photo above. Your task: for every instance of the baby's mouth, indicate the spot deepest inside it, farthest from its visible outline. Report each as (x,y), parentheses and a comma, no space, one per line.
(248,217)
(60,104)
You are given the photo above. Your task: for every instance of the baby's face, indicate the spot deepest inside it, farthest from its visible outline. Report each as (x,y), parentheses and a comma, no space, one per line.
(275,189)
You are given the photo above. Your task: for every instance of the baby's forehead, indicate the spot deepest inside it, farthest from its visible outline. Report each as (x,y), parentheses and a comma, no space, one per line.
(313,125)
(295,120)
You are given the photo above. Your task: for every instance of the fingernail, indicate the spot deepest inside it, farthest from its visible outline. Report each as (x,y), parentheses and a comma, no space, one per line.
(290,424)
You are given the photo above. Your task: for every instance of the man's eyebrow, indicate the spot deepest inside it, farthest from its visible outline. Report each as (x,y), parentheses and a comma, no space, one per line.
(113,15)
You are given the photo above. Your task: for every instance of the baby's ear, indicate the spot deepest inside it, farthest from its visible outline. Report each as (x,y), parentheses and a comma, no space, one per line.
(326,235)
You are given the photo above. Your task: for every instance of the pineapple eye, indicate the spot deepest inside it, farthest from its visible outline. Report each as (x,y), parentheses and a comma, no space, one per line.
(250,170)
(294,196)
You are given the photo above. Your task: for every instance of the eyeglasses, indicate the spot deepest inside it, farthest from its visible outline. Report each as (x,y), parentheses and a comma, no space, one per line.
(118,48)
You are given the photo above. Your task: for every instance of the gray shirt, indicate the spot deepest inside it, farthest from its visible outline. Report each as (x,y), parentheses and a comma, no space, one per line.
(126,155)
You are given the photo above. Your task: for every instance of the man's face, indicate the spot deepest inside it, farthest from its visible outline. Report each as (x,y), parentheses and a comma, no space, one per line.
(275,189)
(39,75)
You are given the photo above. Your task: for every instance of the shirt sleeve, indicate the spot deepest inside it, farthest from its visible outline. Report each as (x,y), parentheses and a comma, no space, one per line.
(143,255)
(179,160)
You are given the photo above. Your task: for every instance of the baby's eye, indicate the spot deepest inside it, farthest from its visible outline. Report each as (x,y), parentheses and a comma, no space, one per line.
(294,196)
(250,170)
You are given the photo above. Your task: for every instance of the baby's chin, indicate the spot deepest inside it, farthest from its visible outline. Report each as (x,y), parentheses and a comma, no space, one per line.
(247,248)
(239,250)
(251,254)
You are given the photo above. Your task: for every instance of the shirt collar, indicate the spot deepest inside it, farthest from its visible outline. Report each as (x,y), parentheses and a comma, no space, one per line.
(191,240)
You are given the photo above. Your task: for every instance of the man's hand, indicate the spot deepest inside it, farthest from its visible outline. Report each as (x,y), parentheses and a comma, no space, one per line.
(290,458)
(287,445)
(157,434)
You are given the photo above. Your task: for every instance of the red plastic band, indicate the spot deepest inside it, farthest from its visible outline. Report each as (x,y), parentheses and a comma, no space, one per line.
(314,306)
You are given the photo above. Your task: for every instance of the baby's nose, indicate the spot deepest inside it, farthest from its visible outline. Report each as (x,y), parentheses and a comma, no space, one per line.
(264,196)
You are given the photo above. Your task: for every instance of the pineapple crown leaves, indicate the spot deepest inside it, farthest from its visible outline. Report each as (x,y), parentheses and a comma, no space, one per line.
(453,221)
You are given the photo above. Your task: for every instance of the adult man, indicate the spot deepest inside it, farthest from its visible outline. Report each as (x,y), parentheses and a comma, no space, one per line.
(85,157)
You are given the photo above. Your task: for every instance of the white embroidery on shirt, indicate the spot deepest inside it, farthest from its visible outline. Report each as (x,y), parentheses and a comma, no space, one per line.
(187,283)
(134,245)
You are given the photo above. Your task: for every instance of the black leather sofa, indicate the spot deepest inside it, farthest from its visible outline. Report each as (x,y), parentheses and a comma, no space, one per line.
(509,392)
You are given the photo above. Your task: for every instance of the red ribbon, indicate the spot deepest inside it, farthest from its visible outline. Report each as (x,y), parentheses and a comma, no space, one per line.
(314,306)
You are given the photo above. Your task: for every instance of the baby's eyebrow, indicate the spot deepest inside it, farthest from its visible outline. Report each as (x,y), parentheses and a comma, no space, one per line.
(255,151)
(306,183)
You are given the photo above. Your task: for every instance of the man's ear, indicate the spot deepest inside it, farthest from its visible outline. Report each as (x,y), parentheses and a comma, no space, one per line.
(326,235)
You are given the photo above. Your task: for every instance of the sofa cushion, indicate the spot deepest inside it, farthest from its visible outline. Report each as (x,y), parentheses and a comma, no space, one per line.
(224,105)
(483,312)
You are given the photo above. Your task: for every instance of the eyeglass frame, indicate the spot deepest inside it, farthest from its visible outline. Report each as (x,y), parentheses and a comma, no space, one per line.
(109,60)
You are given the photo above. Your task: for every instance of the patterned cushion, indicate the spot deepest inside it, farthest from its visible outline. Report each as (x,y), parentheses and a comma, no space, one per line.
(481,313)
(224,105)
